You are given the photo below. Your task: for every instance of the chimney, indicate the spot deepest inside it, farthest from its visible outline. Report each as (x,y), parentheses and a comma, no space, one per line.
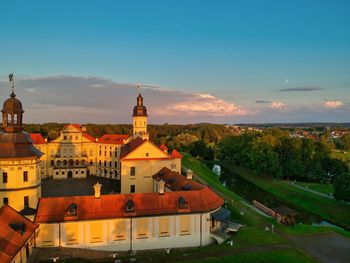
(161,187)
(97,189)
(189,174)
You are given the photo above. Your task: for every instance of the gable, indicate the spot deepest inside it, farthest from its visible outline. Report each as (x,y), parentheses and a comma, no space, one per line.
(146,148)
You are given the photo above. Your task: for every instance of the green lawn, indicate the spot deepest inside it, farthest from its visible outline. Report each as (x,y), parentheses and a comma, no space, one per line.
(331,210)
(285,256)
(321,188)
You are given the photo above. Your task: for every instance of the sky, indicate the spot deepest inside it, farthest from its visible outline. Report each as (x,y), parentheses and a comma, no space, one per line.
(205,61)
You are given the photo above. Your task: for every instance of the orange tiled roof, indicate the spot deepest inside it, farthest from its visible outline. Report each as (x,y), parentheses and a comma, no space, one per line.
(132,145)
(37,138)
(176,154)
(163,147)
(175,181)
(11,241)
(54,209)
(89,137)
(113,138)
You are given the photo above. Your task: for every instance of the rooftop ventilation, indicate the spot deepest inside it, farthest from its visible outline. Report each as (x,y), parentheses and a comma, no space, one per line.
(19,227)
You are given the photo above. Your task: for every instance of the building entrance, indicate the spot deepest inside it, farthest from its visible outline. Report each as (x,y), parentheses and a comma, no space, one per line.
(70,174)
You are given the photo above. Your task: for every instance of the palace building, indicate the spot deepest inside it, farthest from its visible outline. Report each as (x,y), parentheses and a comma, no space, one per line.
(156,206)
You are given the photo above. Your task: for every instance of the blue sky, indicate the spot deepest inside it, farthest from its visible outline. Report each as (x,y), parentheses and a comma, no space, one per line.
(228,61)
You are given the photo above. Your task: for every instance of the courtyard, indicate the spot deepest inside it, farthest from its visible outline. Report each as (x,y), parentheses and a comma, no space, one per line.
(74,187)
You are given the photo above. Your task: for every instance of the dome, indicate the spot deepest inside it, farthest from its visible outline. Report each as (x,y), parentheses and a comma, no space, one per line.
(140,109)
(12,105)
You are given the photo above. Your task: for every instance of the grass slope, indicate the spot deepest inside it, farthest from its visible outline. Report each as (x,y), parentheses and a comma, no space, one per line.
(331,210)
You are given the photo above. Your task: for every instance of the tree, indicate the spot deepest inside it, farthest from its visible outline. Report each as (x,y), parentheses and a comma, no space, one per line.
(346,141)
(342,187)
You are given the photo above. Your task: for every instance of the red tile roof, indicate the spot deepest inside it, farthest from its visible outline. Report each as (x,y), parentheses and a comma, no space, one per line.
(11,241)
(113,138)
(163,147)
(176,154)
(54,209)
(132,145)
(89,137)
(175,181)
(37,138)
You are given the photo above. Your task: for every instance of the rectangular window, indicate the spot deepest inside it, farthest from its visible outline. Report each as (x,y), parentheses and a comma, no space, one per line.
(5,201)
(52,162)
(147,154)
(25,176)
(119,230)
(47,235)
(132,171)
(72,233)
(132,188)
(185,225)
(110,164)
(142,228)
(116,164)
(4,178)
(96,232)
(163,227)
(26,201)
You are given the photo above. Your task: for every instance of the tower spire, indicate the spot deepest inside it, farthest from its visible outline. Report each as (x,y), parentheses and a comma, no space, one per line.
(12,84)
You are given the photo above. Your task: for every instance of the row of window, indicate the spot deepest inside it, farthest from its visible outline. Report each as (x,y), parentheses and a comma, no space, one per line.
(110,153)
(120,231)
(5,177)
(107,164)
(5,201)
(70,162)
(63,172)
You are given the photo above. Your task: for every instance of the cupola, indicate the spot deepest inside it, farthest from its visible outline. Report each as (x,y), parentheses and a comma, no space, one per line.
(12,111)
(139,109)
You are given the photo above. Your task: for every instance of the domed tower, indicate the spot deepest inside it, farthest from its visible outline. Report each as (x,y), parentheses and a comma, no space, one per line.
(139,119)
(19,160)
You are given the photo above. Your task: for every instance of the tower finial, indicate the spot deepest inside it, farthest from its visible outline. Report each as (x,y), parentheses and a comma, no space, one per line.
(12,83)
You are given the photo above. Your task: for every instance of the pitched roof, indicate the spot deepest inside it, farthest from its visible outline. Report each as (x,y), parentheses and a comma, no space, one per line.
(113,138)
(12,240)
(132,145)
(176,154)
(77,126)
(175,181)
(37,138)
(89,137)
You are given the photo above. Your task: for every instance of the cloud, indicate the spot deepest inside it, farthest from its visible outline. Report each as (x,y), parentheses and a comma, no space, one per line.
(262,101)
(333,104)
(206,104)
(302,89)
(277,105)
(98,100)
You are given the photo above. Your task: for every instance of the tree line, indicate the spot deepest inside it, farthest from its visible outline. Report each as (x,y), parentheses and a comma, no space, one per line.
(276,154)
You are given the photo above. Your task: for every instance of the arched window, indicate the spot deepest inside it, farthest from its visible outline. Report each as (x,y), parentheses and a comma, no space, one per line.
(130,206)
(182,203)
(71,162)
(58,163)
(77,162)
(72,209)
(15,121)
(64,162)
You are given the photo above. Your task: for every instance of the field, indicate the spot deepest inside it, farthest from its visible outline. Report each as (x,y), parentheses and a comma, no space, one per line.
(321,188)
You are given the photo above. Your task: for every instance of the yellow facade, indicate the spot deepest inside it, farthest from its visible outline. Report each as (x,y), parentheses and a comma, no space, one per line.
(20,182)
(138,167)
(140,127)
(123,234)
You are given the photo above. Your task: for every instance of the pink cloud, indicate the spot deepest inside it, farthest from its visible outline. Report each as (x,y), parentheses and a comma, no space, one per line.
(333,104)
(277,105)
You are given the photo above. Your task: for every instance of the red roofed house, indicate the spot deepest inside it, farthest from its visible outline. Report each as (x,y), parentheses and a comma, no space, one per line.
(180,213)
(17,235)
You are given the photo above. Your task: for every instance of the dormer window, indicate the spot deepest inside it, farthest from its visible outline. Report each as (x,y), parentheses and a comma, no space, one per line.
(182,203)
(130,206)
(72,209)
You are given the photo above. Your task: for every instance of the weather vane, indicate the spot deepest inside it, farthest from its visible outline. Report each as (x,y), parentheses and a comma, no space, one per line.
(12,82)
